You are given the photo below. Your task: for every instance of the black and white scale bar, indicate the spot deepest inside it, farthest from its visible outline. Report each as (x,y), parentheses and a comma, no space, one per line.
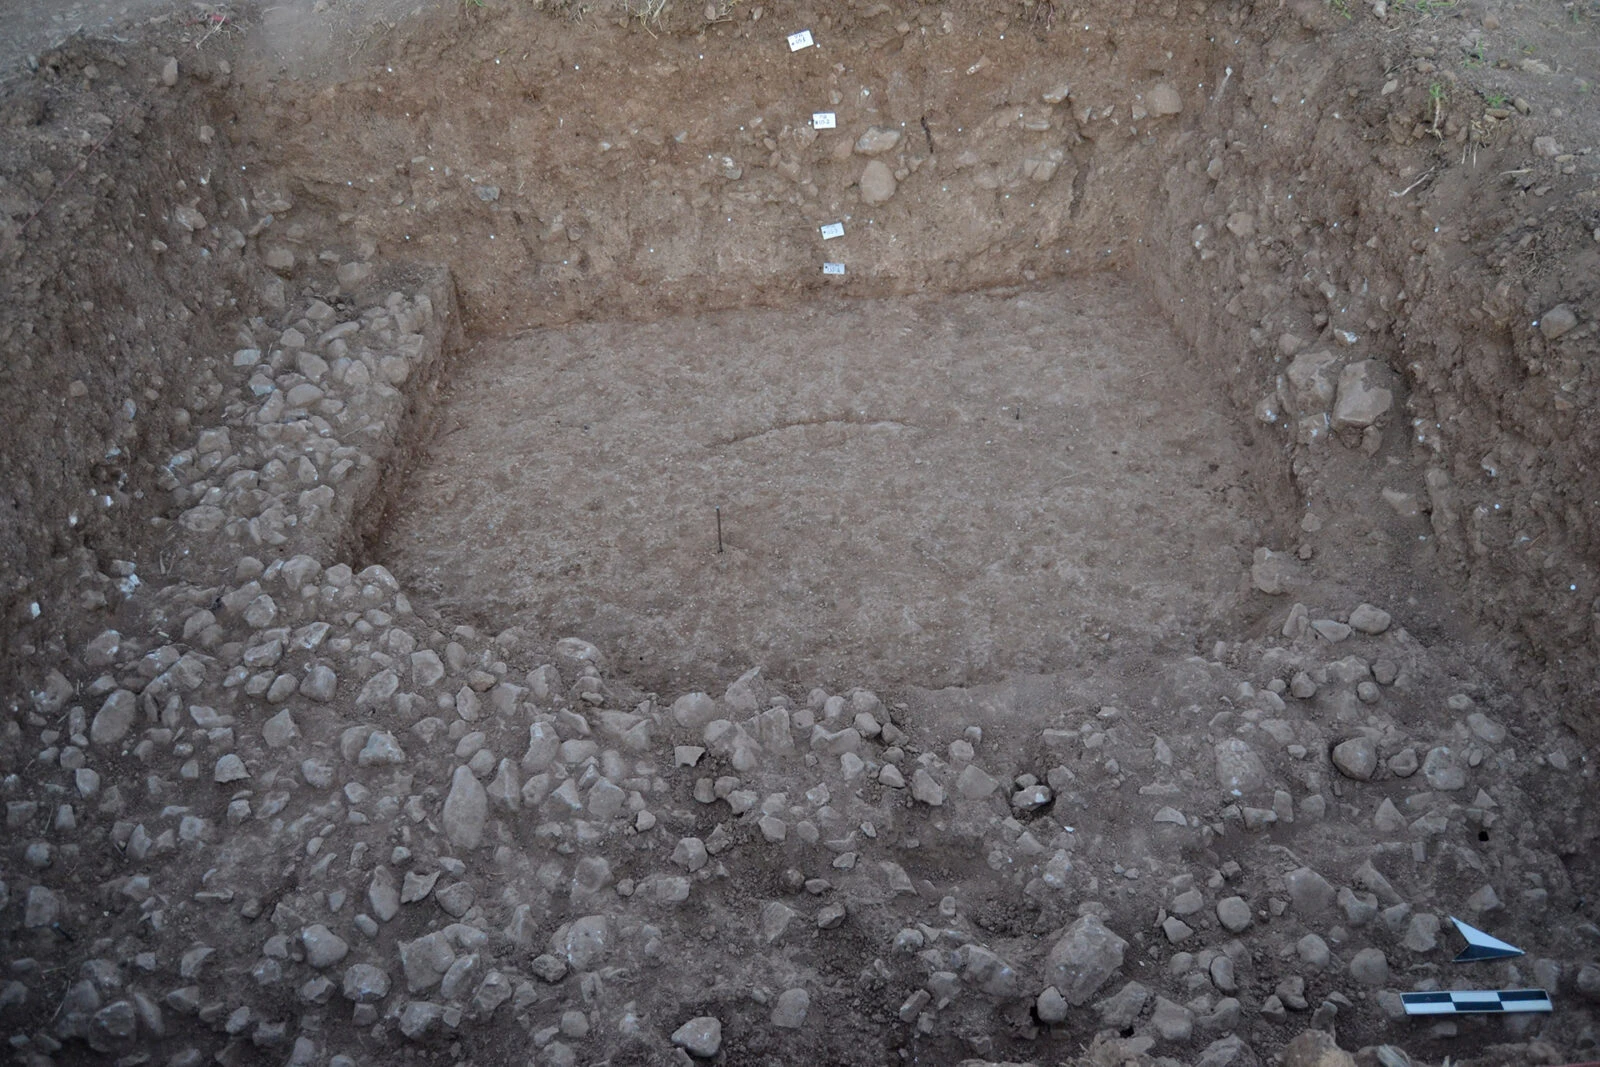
(1464,1001)
(1480,946)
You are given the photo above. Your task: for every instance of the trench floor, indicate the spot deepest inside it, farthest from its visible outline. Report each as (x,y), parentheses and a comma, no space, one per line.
(935,490)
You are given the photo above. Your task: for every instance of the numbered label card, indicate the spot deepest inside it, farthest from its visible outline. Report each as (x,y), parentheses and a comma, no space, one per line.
(800,40)
(823,120)
(833,268)
(832,230)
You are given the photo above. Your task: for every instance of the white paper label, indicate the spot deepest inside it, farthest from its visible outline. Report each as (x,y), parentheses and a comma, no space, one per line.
(833,268)
(800,40)
(832,230)
(823,120)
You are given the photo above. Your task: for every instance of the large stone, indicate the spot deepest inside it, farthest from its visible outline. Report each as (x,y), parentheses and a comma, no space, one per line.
(700,1037)
(694,710)
(1313,1048)
(1050,1006)
(323,947)
(1233,913)
(382,895)
(1444,770)
(1370,967)
(1313,381)
(1369,620)
(381,750)
(581,942)
(1273,573)
(1239,769)
(1084,959)
(1362,397)
(1163,99)
(877,182)
(1557,322)
(1310,893)
(426,960)
(114,719)
(790,1011)
(877,140)
(466,810)
(925,789)
(974,782)
(366,984)
(1120,1009)
(1171,1020)
(1356,758)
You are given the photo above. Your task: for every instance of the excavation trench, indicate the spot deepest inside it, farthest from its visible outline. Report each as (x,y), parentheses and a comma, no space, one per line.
(1162,510)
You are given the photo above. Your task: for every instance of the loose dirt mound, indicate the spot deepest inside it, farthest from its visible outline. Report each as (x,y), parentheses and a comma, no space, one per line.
(1211,671)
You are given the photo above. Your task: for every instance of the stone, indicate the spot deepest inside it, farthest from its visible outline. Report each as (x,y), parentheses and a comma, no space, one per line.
(229,768)
(426,960)
(925,789)
(1172,1021)
(1239,769)
(700,1037)
(455,899)
(1369,620)
(1083,959)
(1312,381)
(1370,967)
(582,942)
(418,1017)
(381,750)
(1314,1048)
(790,1010)
(1362,398)
(466,810)
(877,182)
(1423,933)
(1356,758)
(1118,1011)
(1310,893)
(1443,770)
(690,854)
(427,670)
(1387,819)
(366,984)
(694,710)
(1313,951)
(1557,322)
(1234,914)
(1404,764)
(1163,100)
(1273,573)
(323,947)
(1230,1051)
(1485,729)
(877,140)
(320,684)
(1050,1006)
(114,719)
(352,276)
(983,968)
(1188,902)
(43,908)
(382,895)
(975,783)
(279,730)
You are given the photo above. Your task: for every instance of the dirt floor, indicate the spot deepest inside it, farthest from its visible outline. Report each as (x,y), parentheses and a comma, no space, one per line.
(1160,575)
(936,491)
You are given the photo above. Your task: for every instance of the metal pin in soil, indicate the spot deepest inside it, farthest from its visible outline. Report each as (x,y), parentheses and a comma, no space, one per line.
(719,531)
